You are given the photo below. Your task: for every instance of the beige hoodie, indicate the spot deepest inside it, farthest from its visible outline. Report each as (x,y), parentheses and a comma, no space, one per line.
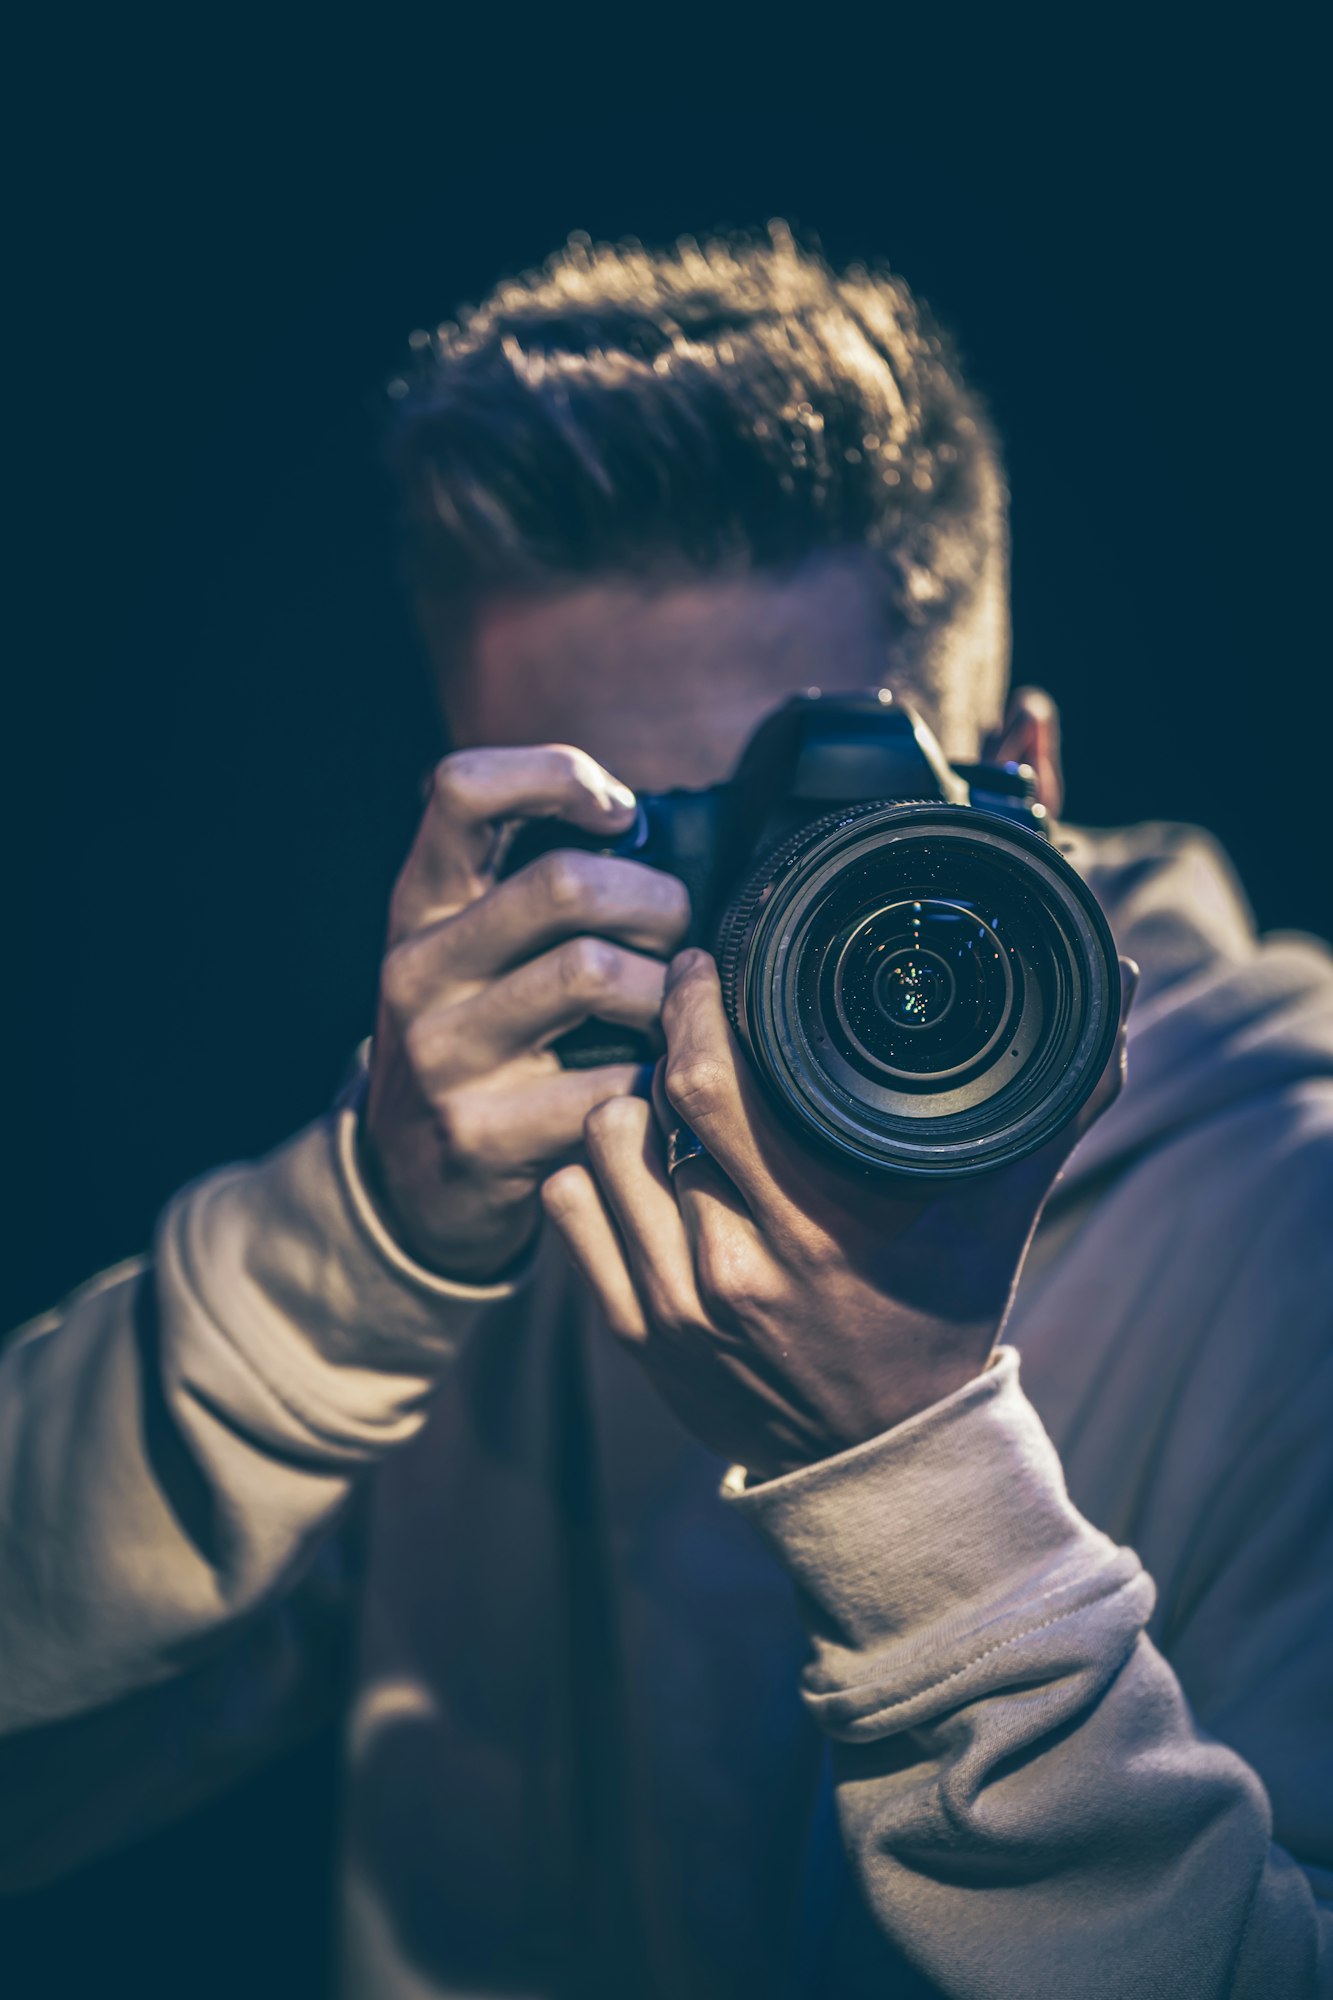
(1064,1646)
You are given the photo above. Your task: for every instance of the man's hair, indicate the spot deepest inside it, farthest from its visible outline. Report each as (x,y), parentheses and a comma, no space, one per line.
(727,404)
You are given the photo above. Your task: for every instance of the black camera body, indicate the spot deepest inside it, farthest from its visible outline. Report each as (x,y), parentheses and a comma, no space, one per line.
(924,984)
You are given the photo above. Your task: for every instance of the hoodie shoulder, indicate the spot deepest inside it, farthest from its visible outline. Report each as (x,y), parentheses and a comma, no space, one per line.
(1224,1022)
(1173,899)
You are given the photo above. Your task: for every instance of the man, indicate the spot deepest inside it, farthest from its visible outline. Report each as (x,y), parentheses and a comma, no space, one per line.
(647,497)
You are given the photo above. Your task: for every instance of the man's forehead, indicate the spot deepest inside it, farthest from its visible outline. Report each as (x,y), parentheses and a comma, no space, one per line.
(748,620)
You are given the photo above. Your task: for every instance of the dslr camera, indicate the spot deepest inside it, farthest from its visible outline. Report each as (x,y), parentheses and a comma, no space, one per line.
(922,982)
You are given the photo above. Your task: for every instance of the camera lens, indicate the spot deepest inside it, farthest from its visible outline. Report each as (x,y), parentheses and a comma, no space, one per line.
(914,989)
(920,990)
(928,990)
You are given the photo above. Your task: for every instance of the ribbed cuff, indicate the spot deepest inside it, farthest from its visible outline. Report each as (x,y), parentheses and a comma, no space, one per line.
(913,1546)
(347,1114)
(328,1336)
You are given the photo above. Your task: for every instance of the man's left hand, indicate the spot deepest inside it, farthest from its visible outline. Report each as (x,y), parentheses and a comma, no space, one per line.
(785,1309)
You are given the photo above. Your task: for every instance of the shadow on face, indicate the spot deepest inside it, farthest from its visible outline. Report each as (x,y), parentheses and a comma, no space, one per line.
(663,681)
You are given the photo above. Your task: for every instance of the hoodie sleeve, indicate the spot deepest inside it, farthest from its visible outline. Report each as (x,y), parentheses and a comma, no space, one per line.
(177,1444)
(1030,1807)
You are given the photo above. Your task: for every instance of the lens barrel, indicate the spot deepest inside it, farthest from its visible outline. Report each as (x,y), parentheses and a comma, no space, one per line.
(926,990)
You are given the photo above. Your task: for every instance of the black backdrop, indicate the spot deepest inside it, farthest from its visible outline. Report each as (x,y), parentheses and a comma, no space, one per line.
(217,719)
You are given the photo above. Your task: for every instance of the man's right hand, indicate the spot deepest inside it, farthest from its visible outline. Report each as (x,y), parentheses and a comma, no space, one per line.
(468,1109)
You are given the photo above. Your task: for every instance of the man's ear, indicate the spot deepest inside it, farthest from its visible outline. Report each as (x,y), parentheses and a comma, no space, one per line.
(1030,734)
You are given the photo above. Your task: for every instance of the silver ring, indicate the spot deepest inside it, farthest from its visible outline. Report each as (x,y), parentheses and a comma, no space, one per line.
(682,1146)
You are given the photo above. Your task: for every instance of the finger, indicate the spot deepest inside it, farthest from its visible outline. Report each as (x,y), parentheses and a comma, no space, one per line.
(583,979)
(718,1225)
(1031,733)
(522,1125)
(1032,704)
(707,1088)
(572,1201)
(1112,1080)
(557,896)
(625,1153)
(1129,986)
(472,792)
(710,1204)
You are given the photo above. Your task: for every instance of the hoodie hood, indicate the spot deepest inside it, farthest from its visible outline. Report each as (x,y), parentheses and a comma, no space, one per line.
(1221,1014)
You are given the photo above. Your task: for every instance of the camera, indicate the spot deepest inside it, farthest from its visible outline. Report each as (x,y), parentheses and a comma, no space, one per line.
(922,982)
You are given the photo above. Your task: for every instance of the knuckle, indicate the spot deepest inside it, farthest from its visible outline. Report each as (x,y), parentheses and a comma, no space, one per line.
(615,1127)
(398,983)
(589,965)
(670,1311)
(614,1118)
(813,1251)
(563,878)
(695,1084)
(421,1044)
(562,1192)
(454,778)
(459,1130)
(733,1282)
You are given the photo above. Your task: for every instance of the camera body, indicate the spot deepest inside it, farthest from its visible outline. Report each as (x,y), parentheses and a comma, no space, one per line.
(923,983)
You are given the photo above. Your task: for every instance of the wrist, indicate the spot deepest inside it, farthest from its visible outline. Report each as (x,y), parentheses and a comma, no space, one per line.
(874,1415)
(924,1551)
(490,1256)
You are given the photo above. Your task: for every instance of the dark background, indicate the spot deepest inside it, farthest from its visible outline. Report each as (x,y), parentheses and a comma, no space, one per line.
(217,719)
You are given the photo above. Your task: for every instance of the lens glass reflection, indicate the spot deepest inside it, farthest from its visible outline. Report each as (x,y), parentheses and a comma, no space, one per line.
(914,989)
(920,989)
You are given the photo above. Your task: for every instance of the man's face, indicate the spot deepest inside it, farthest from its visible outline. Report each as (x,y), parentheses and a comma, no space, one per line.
(662,684)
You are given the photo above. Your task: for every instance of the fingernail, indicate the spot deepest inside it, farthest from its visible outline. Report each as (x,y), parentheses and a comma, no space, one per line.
(620,796)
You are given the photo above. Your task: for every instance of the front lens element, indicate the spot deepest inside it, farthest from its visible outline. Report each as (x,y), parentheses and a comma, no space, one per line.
(925,989)
(914,989)
(919,989)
